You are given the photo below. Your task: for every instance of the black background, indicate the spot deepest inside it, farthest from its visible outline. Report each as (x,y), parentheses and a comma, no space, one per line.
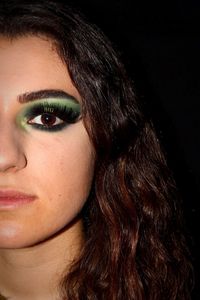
(159,43)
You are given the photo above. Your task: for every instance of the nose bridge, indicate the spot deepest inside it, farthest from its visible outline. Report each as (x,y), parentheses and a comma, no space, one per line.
(12,156)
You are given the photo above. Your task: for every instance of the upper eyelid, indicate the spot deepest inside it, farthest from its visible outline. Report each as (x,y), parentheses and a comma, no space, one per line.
(52,100)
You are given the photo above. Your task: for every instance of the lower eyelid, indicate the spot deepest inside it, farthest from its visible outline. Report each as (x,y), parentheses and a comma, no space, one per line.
(55,128)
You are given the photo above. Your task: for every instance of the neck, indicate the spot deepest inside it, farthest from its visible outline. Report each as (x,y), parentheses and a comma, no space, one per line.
(35,272)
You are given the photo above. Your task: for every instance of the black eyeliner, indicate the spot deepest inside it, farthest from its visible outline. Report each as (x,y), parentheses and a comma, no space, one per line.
(69,112)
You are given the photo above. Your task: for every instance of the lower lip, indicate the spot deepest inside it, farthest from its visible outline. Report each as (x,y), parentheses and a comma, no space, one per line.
(9,202)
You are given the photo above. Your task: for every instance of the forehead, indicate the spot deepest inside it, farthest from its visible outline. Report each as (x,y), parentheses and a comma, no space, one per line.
(32,63)
(27,45)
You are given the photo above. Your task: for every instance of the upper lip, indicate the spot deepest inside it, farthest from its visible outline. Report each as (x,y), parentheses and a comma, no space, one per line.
(5,193)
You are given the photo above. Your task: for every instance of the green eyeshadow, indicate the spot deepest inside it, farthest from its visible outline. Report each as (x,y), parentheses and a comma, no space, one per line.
(66,111)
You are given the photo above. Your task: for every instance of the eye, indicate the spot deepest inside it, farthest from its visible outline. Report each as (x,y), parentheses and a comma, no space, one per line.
(50,115)
(46,119)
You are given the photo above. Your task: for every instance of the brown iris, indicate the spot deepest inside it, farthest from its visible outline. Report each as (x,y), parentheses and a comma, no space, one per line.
(48,119)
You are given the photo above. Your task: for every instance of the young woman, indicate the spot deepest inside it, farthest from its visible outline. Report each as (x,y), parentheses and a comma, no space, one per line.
(88,207)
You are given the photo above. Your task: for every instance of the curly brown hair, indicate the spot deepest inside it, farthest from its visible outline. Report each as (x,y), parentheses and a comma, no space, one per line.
(134,244)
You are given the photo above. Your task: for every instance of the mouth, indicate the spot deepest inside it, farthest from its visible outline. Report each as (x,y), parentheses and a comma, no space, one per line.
(13,199)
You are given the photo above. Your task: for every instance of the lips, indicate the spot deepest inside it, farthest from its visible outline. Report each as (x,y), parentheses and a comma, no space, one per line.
(12,198)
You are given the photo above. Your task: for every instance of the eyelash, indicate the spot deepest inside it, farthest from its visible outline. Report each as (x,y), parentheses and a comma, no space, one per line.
(67,115)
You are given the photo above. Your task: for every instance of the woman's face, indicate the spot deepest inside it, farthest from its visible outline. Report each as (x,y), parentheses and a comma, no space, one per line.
(45,151)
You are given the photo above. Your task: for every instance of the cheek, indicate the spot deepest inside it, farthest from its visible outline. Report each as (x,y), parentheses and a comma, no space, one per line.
(73,180)
(54,158)
(66,169)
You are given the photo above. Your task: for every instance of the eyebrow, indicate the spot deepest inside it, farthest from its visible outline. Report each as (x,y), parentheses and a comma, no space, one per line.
(44,94)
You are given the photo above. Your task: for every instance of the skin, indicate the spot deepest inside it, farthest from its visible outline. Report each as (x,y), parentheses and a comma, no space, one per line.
(38,240)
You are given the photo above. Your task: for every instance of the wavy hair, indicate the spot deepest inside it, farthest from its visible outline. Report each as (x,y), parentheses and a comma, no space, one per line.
(134,244)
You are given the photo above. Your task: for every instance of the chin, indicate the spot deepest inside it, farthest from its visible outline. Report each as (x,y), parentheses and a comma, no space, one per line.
(12,238)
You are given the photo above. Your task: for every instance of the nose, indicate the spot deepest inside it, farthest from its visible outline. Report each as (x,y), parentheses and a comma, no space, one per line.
(12,156)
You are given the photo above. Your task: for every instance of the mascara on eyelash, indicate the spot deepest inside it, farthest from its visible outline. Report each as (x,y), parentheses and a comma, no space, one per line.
(68,113)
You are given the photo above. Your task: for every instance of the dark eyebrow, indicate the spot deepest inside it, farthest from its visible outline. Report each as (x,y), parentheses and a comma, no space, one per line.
(44,94)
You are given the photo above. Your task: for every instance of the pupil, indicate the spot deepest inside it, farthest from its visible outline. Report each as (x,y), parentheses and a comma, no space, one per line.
(48,119)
